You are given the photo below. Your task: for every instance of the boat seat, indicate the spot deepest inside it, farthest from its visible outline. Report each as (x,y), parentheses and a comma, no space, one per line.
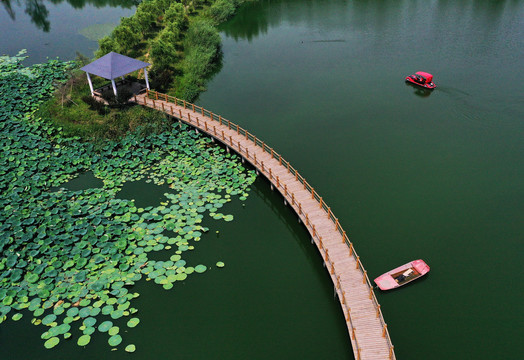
(407,272)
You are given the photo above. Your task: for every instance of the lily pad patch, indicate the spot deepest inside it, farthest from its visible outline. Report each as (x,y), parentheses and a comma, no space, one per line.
(73,255)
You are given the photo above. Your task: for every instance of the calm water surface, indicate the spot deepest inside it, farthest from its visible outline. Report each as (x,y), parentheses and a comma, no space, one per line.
(48,29)
(410,174)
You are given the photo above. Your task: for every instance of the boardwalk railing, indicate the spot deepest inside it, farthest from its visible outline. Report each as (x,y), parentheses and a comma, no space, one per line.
(168,103)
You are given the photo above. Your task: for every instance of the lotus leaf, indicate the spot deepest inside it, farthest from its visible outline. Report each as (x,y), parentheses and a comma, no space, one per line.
(97,286)
(85,312)
(32,278)
(111,301)
(84,340)
(51,343)
(59,310)
(47,320)
(114,330)
(88,330)
(117,314)
(105,326)
(130,348)
(115,340)
(72,312)
(200,268)
(61,329)
(94,311)
(8,300)
(108,309)
(90,321)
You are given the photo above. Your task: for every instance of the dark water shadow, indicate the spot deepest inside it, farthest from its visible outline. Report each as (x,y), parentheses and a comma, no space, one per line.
(83,181)
(419,91)
(144,193)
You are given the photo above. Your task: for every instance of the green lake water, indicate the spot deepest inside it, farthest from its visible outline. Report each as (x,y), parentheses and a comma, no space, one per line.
(50,29)
(410,174)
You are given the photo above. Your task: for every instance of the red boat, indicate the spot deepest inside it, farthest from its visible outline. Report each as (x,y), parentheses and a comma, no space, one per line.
(402,275)
(423,79)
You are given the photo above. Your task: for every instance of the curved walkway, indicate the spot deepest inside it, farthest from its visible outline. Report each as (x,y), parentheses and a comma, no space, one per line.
(367,330)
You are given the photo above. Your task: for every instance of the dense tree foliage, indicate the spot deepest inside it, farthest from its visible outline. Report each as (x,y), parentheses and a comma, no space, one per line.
(178,37)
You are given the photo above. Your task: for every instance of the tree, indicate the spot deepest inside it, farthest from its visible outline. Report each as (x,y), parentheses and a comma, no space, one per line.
(176,16)
(163,54)
(125,38)
(144,20)
(170,35)
(105,45)
(131,23)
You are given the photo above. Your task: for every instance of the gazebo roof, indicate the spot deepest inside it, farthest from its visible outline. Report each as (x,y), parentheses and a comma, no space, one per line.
(114,65)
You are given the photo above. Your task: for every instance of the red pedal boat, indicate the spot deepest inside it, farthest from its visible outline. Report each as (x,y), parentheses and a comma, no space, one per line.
(423,79)
(402,275)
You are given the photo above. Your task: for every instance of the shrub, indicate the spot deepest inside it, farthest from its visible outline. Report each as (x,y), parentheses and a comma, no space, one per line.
(222,10)
(203,34)
(176,16)
(106,45)
(126,39)
(120,100)
(95,105)
(161,79)
(163,54)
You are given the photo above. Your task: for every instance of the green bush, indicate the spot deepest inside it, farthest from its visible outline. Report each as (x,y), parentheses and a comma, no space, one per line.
(203,34)
(106,45)
(95,105)
(175,16)
(177,37)
(222,10)
(120,100)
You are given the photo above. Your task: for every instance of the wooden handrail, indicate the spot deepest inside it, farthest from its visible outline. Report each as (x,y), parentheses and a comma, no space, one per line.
(274,155)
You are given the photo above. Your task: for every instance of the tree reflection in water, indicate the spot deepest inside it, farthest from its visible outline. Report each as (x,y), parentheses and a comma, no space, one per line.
(39,14)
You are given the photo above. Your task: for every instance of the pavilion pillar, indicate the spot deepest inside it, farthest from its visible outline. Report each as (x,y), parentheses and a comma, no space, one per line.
(147,81)
(114,86)
(90,84)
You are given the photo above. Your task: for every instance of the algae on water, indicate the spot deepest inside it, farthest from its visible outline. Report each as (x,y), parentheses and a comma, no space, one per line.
(97,31)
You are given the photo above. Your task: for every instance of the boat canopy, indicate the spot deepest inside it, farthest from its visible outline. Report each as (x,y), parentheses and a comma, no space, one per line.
(427,76)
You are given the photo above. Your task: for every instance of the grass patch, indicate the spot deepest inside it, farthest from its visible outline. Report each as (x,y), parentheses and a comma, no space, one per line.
(75,111)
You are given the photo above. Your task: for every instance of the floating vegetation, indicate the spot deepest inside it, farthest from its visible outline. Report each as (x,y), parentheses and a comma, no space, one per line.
(70,258)
(97,31)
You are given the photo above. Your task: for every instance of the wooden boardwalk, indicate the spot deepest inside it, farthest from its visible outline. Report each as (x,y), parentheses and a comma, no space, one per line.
(366,327)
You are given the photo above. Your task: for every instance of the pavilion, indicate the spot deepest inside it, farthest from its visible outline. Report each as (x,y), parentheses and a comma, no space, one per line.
(112,66)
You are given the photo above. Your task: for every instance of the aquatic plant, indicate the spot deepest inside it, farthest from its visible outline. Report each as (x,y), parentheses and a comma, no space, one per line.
(70,258)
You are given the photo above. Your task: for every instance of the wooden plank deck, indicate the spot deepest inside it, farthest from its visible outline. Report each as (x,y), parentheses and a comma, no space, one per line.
(367,330)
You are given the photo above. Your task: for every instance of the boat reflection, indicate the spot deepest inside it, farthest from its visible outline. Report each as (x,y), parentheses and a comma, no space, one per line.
(419,91)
